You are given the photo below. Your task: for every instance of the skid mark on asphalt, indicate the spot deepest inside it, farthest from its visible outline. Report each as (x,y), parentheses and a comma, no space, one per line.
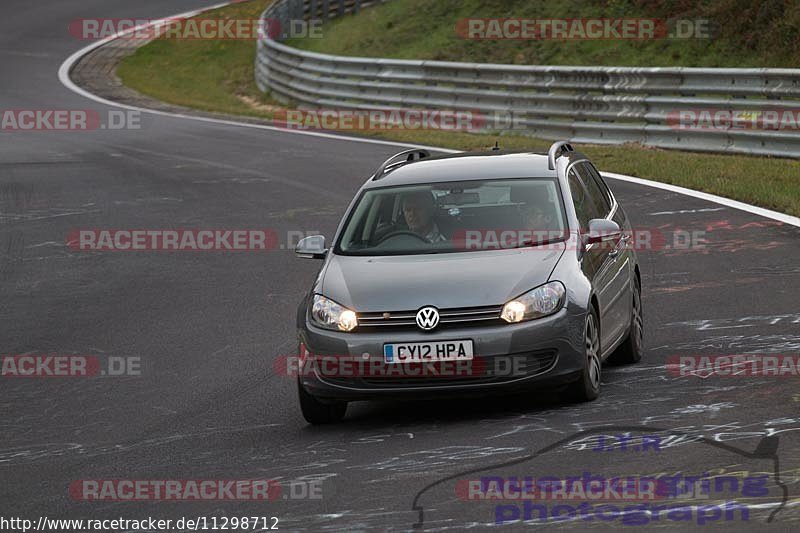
(773,270)
(444,457)
(738,322)
(47,243)
(373,439)
(229,181)
(150,200)
(729,246)
(744,344)
(298,212)
(37,214)
(689,211)
(49,451)
(684,287)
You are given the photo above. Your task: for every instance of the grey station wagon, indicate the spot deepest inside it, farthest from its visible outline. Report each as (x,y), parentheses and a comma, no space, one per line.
(468,274)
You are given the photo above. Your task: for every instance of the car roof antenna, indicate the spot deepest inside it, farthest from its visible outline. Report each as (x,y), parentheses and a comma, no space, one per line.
(496,146)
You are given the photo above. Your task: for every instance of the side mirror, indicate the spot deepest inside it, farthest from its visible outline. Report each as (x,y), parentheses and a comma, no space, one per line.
(311,247)
(601,230)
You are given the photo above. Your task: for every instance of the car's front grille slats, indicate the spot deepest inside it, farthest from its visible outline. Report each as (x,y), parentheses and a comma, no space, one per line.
(492,310)
(387,323)
(368,316)
(461,316)
(466,319)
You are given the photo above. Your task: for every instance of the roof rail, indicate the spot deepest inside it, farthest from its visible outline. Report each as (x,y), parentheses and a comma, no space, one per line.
(557,149)
(415,154)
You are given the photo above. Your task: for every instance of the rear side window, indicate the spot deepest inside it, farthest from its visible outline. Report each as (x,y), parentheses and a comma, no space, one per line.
(597,205)
(600,183)
(583,206)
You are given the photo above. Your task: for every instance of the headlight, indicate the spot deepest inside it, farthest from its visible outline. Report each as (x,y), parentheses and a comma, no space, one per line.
(330,315)
(541,301)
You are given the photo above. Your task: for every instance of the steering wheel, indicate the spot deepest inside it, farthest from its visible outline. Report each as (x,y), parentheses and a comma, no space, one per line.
(398,233)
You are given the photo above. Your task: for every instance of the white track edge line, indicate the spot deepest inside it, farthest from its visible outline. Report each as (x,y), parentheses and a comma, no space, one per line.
(727,202)
(66,66)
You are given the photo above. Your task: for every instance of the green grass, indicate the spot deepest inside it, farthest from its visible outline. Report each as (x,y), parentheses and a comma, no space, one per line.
(203,74)
(745,33)
(218,76)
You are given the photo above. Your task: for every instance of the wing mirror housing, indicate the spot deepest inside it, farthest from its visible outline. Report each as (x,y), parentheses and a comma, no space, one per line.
(601,230)
(311,247)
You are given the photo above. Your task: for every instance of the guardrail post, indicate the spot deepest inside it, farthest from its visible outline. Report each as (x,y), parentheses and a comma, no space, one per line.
(325,9)
(312,11)
(356,6)
(341,8)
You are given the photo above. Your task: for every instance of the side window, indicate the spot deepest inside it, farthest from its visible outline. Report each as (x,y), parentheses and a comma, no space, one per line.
(600,183)
(601,204)
(579,198)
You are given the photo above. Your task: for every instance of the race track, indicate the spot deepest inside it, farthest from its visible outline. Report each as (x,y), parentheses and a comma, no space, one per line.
(209,326)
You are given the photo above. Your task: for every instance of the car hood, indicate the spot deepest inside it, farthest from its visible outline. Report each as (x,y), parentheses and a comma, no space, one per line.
(462,279)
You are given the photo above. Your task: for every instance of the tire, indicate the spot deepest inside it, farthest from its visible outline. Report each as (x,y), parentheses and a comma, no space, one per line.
(587,387)
(318,412)
(630,351)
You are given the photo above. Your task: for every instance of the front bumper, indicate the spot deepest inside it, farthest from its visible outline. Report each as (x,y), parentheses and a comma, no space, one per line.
(550,351)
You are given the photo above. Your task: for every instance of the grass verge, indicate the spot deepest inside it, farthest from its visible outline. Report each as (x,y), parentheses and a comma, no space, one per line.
(730,33)
(218,76)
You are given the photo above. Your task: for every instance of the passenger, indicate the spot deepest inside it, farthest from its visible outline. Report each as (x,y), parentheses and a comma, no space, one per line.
(538,216)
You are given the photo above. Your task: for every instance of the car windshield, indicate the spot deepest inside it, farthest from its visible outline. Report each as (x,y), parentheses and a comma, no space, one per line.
(454,217)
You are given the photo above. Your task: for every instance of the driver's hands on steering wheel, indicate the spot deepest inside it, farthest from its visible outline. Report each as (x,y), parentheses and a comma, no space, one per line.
(398,233)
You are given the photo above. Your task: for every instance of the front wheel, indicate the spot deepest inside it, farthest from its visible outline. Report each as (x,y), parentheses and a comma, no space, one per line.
(587,388)
(630,351)
(318,412)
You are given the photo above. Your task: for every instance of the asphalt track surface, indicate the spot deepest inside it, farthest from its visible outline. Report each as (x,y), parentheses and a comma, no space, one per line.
(208,327)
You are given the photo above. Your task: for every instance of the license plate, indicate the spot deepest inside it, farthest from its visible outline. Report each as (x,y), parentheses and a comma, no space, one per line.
(420,352)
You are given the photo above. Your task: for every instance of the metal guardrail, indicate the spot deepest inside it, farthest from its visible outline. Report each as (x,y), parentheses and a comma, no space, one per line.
(582,104)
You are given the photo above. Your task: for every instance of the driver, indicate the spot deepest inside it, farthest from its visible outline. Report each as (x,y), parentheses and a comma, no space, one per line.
(418,210)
